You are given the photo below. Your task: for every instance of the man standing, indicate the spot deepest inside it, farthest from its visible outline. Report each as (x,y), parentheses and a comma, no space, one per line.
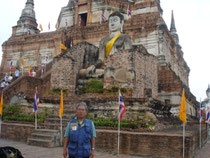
(80,135)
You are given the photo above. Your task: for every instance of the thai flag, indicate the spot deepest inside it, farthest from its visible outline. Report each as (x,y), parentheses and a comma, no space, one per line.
(42,68)
(208,114)
(36,102)
(121,106)
(201,113)
(129,11)
(11,66)
(102,16)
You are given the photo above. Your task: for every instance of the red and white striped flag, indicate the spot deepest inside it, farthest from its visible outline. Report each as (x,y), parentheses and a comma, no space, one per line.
(121,106)
(36,102)
(207,113)
(129,11)
(11,66)
(201,113)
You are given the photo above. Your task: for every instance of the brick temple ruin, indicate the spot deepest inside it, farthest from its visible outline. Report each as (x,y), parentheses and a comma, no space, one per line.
(154,68)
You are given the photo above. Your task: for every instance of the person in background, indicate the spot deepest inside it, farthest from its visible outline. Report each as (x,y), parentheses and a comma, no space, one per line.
(80,135)
(6,77)
(33,73)
(3,84)
(17,73)
(10,79)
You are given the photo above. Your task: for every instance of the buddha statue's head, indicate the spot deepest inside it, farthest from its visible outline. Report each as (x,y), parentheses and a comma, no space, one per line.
(115,21)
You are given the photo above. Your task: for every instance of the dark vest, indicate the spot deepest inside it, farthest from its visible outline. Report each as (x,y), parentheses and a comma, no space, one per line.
(80,139)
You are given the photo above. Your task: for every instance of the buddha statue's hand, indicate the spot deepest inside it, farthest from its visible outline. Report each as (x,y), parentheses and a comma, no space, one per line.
(91,70)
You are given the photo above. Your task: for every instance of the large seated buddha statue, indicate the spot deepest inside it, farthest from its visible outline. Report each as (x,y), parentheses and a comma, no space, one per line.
(110,44)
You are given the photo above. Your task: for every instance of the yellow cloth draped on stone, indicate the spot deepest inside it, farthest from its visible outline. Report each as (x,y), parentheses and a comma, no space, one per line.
(110,44)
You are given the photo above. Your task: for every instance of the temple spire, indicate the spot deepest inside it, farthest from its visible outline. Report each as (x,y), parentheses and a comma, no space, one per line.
(173,29)
(27,22)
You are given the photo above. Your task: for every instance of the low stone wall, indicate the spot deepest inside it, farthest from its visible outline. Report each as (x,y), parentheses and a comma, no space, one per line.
(156,145)
(16,131)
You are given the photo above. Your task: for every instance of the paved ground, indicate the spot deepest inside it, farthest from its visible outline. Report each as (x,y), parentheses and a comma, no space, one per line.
(40,152)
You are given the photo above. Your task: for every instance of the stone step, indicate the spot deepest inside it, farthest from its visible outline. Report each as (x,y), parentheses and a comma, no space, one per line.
(45,138)
(52,126)
(46,131)
(42,136)
(69,114)
(40,142)
(56,120)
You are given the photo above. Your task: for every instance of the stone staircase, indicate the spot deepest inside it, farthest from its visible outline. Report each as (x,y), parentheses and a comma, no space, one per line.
(48,133)
(45,138)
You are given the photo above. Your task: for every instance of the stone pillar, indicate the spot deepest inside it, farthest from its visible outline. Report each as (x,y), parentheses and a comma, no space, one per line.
(76,15)
(89,13)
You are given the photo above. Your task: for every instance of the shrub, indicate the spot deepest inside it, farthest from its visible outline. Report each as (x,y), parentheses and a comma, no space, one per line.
(94,86)
(115,88)
(57,91)
(13,113)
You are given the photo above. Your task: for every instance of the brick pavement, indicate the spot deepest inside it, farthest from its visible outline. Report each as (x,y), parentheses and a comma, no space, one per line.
(40,152)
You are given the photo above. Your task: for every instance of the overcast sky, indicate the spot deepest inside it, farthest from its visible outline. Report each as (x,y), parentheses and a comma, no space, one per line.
(192,19)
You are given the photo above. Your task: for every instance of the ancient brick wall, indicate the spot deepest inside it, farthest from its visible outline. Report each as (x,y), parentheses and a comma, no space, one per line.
(66,67)
(16,131)
(167,80)
(27,85)
(33,48)
(64,74)
(156,145)
(134,69)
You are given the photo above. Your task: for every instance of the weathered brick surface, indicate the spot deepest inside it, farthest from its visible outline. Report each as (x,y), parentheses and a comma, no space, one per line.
(157,145)
(27,85)
(141,64)
(16,131)
(169,82)
(66,67)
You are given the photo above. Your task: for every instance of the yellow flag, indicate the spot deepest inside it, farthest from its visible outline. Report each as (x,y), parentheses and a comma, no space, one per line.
(61,105)
(91,17)
(63,47)
(40,26)
(183,108)
(1,104)
(23,62)
(29,68)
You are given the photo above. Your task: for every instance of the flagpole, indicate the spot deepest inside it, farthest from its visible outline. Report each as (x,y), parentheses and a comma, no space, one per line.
(61,128)
(36,116)
(0,125)
(118,140)
(200,120)
(183,138)
(36,119)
